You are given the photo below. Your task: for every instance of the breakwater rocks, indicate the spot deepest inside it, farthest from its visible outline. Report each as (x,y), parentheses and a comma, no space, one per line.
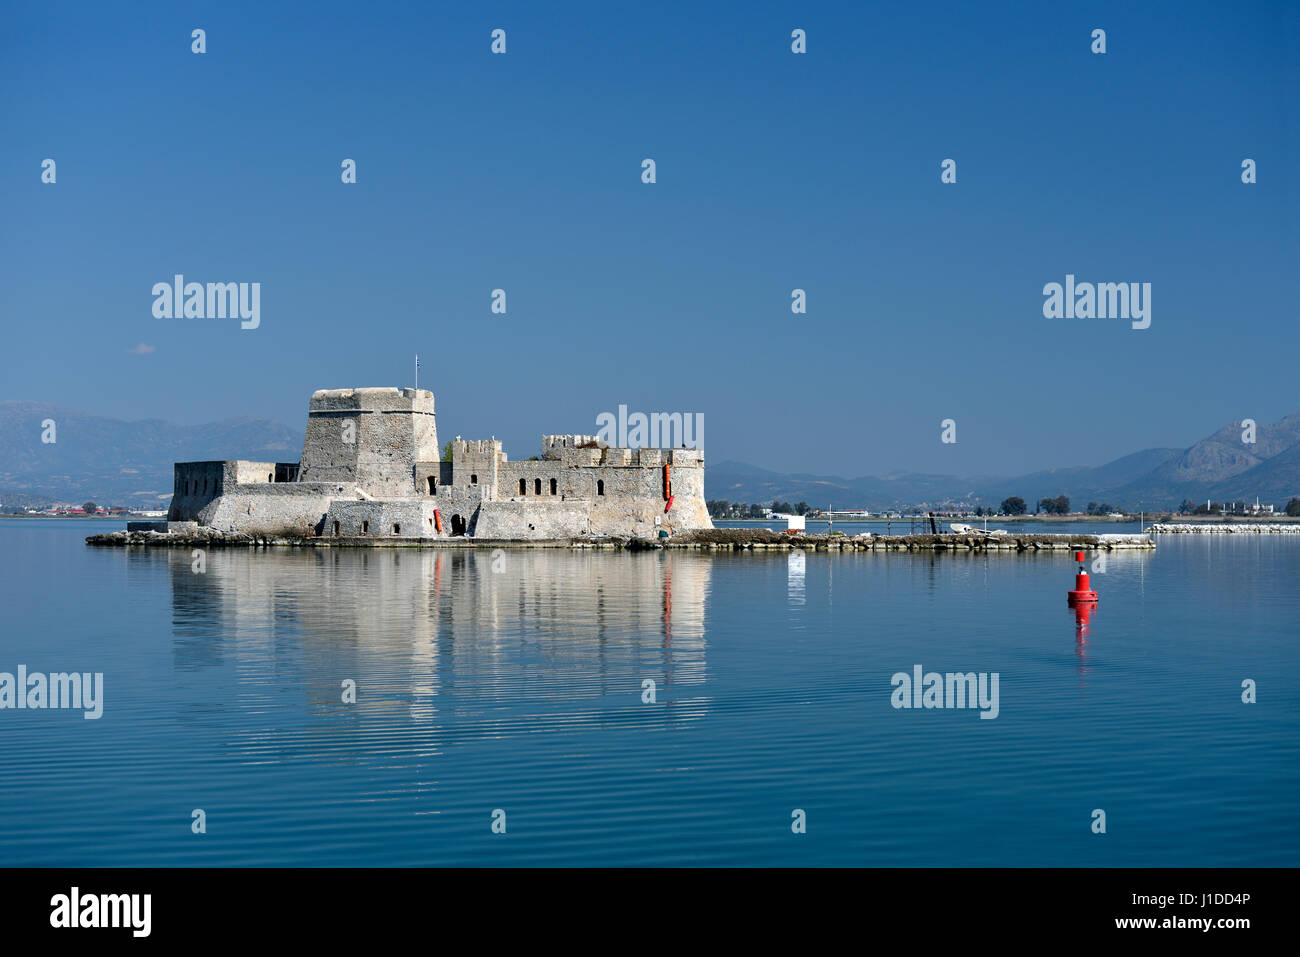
(1251,528)
(723,539)
(713,539)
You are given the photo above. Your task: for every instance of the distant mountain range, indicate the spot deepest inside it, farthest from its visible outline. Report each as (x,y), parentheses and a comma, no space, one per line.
(1220,467)
(113,462)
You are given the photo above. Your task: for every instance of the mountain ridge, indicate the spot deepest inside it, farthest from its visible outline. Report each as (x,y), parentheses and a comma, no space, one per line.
(1221,467)
(113,461)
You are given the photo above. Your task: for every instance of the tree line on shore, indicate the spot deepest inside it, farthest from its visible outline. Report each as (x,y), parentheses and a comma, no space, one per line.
(1013,505)
(721,508)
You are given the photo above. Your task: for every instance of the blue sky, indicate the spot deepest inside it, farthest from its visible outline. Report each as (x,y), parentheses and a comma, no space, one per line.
(775,171)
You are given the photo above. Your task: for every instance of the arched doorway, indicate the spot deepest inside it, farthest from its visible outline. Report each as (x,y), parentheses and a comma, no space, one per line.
(457,525)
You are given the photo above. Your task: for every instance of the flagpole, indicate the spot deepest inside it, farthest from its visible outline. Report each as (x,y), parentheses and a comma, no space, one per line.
(417,370)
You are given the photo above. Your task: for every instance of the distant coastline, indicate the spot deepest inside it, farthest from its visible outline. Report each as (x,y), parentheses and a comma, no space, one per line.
(64,518)
(1051,519)
(978,520)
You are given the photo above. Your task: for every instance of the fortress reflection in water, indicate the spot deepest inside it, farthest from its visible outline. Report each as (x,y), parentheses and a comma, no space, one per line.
(487,641)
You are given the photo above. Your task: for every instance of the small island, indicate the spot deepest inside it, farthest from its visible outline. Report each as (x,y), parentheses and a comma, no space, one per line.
(372,473)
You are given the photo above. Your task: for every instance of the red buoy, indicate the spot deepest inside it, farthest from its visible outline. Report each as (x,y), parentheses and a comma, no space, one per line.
(1081,592)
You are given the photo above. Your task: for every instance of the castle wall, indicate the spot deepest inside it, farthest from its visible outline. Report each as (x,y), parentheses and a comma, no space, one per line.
(286,509)
(379,519)
(194,486)
(532,520)
(595,499)
(452,501)
(537,477)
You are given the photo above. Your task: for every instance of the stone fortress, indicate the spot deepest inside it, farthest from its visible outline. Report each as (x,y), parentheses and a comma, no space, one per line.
(372,470)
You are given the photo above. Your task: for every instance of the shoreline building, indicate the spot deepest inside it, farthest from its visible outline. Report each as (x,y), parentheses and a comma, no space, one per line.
(371,467)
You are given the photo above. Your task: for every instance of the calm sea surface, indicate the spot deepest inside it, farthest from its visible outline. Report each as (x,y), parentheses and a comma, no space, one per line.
(514,680)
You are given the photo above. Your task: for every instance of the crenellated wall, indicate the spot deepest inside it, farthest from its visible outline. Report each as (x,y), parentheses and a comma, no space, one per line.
(554,445)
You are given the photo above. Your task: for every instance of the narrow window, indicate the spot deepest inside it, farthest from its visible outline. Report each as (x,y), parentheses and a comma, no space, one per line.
(397,528)
(336,529)
(537,486)
(433,486)
(552,486)
(523,486)
(473,480)
(365,528)
(600,486)
(271,478)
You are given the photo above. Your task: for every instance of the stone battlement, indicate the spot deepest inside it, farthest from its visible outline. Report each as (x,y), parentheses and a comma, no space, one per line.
(371,400)
(554,445)
(589,450)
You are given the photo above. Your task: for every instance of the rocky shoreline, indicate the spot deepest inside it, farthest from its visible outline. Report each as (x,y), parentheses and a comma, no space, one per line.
(716,539)
(1258,528)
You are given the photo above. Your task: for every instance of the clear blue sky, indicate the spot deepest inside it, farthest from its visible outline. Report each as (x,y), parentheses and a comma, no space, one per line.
(775,171)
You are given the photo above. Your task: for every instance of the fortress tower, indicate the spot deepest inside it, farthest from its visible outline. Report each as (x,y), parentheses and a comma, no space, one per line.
(370,438)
